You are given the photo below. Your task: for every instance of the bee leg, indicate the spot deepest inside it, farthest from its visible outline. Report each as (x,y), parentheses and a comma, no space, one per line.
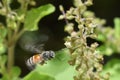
(42,63)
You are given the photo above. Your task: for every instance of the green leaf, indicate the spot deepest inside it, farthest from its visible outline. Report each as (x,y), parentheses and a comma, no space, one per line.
(58,68)
(3,33)
(113,67)
(105,50)
(3,60)
(2,48)
(101,37)
(35,75)
(117,27)
(35,15)
(15,74)
(16,71)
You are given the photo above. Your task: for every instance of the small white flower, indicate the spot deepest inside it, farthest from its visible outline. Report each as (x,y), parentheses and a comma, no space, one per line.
(68,44)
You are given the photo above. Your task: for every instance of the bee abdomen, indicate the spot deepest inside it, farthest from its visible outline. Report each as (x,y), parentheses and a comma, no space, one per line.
(32,61)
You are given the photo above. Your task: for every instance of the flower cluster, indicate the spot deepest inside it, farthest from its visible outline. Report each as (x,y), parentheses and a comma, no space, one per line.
(86,58)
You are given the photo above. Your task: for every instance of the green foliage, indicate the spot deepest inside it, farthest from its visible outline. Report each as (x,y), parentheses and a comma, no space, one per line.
(2,48)
(35,15)
(113,67)
(11,32)
(35,75)
(3,60)
(3,33)
(117,27)
(110,38)
(16,73)
(57,69)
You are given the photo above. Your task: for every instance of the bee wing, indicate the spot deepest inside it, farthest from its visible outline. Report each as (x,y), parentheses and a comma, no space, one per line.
(33,41)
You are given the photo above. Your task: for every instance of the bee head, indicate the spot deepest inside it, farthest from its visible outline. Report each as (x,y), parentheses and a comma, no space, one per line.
(47,55)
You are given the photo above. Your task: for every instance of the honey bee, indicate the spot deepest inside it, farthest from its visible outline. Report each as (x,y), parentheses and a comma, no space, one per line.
(39,58)
(33,42)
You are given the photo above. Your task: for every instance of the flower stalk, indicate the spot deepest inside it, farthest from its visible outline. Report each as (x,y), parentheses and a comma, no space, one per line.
(86,58)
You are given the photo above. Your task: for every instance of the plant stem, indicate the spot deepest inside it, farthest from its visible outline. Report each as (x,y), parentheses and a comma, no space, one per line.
(10,58)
